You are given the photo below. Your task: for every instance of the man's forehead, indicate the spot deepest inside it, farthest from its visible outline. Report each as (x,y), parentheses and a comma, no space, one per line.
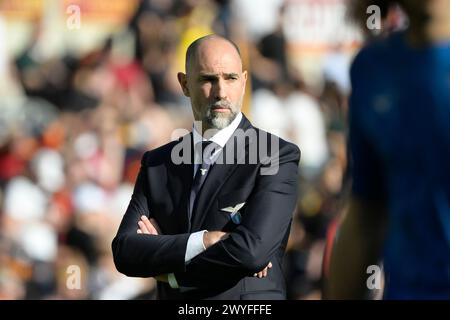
(217,64)
(215,53)
(218,61)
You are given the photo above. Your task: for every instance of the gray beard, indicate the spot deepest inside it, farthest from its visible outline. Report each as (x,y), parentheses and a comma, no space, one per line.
(218,121)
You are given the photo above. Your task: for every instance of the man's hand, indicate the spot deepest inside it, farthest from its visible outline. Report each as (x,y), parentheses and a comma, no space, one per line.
(212,237)
(263,272)
(148,226)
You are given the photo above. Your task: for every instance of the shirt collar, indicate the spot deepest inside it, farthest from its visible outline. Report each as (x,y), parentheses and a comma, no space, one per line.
(222,136)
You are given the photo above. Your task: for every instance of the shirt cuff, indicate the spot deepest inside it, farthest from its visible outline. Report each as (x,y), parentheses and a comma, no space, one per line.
(172,281)
(195,245)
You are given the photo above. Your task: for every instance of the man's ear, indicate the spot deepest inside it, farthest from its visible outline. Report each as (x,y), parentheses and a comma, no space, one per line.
(244,75)
(244,78)
(183,83)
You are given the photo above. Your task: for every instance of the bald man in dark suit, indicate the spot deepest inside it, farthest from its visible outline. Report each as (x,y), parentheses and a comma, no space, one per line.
(211,212)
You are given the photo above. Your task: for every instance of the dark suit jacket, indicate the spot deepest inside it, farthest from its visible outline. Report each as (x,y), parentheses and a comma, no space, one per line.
(225,270)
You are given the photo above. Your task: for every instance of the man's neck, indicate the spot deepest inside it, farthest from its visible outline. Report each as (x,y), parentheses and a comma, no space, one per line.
(208,131)
(218,136)
(205,130)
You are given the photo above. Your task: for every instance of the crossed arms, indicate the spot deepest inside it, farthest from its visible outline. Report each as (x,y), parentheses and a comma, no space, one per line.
(150,226)
(229,257)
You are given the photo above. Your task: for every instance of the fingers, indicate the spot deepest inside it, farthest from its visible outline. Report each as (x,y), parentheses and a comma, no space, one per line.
(155,225)
(263,273)
(143,227)
(149,225)
(146,227)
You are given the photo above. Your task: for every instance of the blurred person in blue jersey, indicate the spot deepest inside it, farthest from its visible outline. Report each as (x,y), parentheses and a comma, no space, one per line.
(399,142)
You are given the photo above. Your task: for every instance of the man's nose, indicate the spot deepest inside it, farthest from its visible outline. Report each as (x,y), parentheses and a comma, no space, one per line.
(220,90)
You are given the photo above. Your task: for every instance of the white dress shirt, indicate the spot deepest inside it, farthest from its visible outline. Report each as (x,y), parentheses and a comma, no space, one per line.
(195,244)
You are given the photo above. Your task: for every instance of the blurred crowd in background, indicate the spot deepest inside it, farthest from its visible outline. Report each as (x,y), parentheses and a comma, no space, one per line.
(74,125)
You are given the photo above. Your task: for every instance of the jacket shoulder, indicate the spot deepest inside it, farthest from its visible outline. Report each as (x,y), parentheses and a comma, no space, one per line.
(161,154)
(286,149)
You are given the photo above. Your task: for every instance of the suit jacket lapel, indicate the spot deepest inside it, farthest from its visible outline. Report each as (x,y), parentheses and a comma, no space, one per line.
(217,176)
(181,181)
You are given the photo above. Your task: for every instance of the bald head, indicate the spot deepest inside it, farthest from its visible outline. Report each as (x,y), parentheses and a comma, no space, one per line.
(210,41)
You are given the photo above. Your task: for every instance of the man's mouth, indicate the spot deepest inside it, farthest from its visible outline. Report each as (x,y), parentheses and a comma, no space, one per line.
(220,108)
